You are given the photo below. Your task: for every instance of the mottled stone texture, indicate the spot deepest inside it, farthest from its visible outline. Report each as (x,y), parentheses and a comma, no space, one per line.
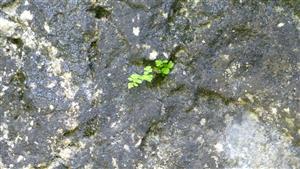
(231,101)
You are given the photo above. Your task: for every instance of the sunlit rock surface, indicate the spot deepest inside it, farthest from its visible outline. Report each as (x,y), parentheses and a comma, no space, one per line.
(231,101)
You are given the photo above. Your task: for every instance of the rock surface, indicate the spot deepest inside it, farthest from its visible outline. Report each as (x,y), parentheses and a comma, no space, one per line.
(231,101)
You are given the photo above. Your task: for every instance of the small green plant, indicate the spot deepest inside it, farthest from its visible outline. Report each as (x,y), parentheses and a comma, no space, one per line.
(135,79)
(162,67)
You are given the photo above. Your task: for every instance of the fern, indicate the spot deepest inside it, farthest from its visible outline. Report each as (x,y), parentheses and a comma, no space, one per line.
(162,67)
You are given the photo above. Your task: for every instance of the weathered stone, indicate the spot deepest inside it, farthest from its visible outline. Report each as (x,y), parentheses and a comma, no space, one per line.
(231,101)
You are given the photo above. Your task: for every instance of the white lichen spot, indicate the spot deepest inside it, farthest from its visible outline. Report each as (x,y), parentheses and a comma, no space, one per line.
(32,85)
(203,121)
(88,166)
(165,55)
(250,97)
(140,166)
(280,25)
(4,88)
(254,116)
(7,27)
(71,123)
(290,122)
(26,3)
(229,72)
(219,147)
(53,51)
(114,163)
(146,46)
(65,154)
(287,110)
(4,131)
(74,109)
(60,131)
(51,84)
(165,15)
(29,39)
(55,66)
(225,57)
(200,140)
(51,107)
(274,110)
(20,158)
(113,125)
(1,164)
(136,31)
(46,27)
(138,143)
(70,89)
(153,55)
(26,16)
(126,147)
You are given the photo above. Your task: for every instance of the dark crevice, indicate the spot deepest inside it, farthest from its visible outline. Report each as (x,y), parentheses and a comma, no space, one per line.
(91,127)
(16,41)
(70,132)
(7,3)
(175,51)
(87,129)
(19,81)
(156,127)
(175,8)
(153,129)
(243,31)
(93,52)
(99,12)
(210,94)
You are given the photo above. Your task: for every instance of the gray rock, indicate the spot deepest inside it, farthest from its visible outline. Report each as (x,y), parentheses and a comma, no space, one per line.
(231,101)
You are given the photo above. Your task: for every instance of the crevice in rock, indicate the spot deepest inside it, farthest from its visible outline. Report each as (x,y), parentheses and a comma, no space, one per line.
(175,8)
(243,31)
(68,133)
(210,94)
(86,129)
(7,3)
(91,127)
(93,52)
(19,81)
(155,127)
(16,41)
(99,11)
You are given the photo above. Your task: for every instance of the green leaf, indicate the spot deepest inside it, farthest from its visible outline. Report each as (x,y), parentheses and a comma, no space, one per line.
(148,78)
(147,70)
(170,65)
(165,61)
(135,76)
(130,85)
(139,81)
(158,63)
(165,71)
